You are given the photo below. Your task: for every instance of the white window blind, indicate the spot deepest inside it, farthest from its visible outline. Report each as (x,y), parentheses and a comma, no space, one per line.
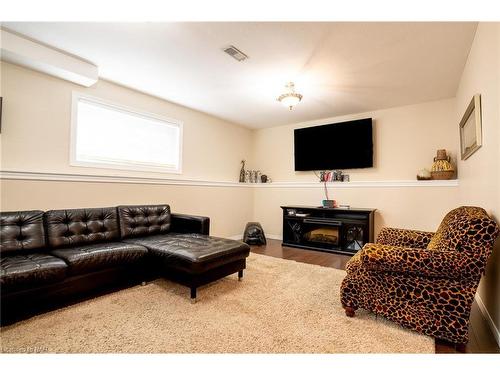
(110,136)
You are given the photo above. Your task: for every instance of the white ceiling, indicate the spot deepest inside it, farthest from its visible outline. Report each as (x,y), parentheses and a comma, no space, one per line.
(340,68)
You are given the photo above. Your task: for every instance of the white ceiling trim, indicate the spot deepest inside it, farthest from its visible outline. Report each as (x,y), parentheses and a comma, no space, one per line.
(22,51)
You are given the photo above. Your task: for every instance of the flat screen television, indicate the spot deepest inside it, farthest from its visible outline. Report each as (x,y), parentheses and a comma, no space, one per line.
(344,145)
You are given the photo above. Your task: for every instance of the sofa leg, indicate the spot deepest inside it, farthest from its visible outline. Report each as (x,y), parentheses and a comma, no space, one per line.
(240,275)
(349,311)
(193,295)
(460,348)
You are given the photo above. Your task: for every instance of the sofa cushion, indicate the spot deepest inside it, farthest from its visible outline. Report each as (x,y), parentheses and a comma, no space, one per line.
(137,221)
(81,226)
(191,252)
(24,270)
(89,258)
(21,231)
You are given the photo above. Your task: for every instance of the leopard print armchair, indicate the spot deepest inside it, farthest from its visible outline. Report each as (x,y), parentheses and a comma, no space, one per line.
(421,280)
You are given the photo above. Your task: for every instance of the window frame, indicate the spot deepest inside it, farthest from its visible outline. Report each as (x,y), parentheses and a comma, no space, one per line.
(77,96)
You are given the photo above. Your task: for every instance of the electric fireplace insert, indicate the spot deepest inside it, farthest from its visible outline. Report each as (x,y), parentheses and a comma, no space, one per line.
(338,230)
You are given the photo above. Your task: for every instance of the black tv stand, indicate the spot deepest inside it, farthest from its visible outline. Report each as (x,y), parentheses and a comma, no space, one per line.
(337,230)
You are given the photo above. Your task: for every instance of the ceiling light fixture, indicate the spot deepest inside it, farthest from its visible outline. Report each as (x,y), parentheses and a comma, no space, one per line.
(290,98)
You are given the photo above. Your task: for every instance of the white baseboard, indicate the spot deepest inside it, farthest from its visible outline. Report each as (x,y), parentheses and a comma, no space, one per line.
(239,237)
(488,318)
(275,236)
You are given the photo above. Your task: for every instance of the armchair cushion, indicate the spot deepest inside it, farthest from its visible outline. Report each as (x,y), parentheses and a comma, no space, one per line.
(404,237)
(419,262)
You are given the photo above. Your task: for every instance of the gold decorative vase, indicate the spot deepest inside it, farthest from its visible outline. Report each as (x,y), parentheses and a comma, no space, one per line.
(442,168)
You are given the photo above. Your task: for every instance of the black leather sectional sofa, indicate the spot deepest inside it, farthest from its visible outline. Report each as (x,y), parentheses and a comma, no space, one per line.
(50,258)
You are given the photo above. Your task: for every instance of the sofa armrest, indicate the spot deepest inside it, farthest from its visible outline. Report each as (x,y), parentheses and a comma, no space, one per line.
(190,224)
(419,262)
(404,237)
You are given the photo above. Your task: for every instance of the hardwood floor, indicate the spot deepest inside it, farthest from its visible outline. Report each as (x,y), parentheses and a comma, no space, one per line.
(481,337)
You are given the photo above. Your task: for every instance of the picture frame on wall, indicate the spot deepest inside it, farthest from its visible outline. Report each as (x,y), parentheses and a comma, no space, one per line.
(470,128)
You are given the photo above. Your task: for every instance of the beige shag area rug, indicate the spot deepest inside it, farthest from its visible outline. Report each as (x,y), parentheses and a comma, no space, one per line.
(281,306)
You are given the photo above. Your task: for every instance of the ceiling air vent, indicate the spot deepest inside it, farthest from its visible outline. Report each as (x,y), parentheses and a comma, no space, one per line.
(235,53)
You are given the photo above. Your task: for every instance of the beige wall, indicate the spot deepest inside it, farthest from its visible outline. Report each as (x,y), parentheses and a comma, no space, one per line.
(405,141)
(402,207)
(480,173)
(37,117)
(35,137)
(229,209)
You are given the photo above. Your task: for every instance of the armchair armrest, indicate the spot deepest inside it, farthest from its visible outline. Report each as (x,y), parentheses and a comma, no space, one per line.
(404,237)
(419,262)
(190,224)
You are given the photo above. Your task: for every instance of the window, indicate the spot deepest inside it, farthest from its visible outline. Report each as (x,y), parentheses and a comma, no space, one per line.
(105,135)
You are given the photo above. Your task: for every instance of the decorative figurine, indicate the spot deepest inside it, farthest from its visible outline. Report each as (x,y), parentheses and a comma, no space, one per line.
(338,175)
(254,234)
(242,171)
(256,176)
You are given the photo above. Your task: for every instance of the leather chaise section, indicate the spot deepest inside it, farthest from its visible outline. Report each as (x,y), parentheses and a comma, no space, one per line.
(137,221)
(193,253)
(81,226)
(89,258)
(21,271)
(192,247)
(21,230)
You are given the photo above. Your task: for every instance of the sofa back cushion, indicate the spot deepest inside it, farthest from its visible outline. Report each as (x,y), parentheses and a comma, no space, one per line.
(137,221)
(81,226)
(21,230)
